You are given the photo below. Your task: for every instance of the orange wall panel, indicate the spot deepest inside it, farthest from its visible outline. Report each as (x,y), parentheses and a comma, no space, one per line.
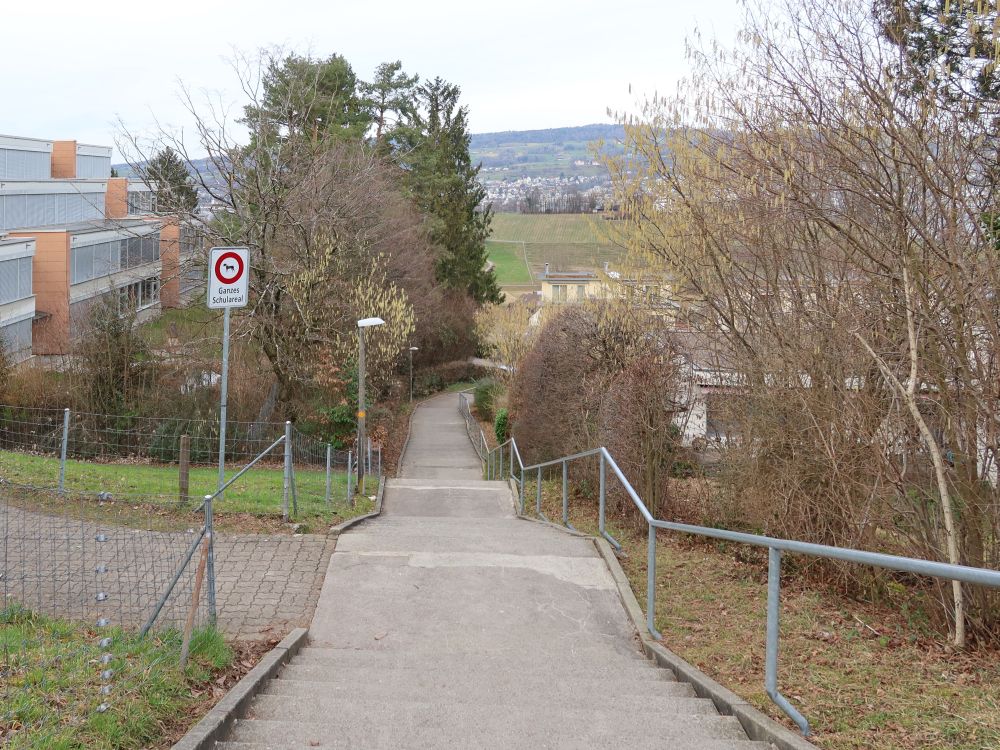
(170,257)
(63,159)
(116,199)
(51,286)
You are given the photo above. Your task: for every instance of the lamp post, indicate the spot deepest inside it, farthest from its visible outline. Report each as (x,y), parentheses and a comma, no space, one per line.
(362,448)
(412,349)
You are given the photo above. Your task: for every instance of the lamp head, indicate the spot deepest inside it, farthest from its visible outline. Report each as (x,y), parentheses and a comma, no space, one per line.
(369,322)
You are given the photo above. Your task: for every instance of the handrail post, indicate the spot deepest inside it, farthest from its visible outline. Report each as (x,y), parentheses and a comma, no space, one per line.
(651,584)
(521,490)
(510,473)
(62,454)
(565,468)
(538,497)
(773,633)
(603,495)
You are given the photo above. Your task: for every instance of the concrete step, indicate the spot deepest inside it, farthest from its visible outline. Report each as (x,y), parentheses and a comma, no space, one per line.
(269,707)
(513,744)
(417,483)
(360,672)
(372,725)
(508,689)
(509,658)
(441,534)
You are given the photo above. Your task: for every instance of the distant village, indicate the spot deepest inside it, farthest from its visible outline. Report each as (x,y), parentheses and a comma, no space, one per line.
(535,195)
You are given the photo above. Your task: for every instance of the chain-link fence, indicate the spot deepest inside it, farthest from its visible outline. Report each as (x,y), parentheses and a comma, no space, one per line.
(105,529)
(146,460)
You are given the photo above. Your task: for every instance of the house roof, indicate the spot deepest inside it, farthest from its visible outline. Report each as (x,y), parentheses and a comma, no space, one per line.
(557,277)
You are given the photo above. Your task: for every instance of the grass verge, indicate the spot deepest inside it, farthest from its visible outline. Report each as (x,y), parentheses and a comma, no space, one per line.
(865,675)
(253,503)
(50,684)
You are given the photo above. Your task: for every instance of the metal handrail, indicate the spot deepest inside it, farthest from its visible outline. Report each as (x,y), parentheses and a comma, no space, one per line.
(774,545)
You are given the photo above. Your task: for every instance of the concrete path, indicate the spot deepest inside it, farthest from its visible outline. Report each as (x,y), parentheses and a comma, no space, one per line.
(448,622)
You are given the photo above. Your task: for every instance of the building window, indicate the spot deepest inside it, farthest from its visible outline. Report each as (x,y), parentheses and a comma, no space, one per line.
(559,292)
(15,280)
(139,295)
(581,292)
(141,203)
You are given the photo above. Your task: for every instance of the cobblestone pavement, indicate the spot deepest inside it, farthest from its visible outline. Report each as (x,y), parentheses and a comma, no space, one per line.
(85,569)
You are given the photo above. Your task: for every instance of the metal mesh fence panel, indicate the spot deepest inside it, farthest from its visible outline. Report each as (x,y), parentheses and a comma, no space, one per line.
(78,574)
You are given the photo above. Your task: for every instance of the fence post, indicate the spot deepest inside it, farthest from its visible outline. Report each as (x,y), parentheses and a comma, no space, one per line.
(210,570)
(350,478)
(565,468)
(603,495)
(184,474)
(195,597)
(329,452)
(287,483)
(521,491)
(651,584)
(380,462)
(62,455)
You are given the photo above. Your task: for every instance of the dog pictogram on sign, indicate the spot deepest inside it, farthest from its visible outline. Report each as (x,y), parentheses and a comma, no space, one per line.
(228,277)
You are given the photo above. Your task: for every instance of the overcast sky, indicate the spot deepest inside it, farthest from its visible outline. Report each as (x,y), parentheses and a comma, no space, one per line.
(79,67)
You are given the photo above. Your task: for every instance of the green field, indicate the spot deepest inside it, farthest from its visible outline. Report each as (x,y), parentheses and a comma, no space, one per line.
(565,241)
(508,257)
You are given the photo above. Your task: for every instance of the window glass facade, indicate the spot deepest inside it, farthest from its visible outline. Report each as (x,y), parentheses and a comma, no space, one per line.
(15,279)
(17,337)
(139,295)
(141,203)
(93,167)
(94,261)
(16,164)
(20,211)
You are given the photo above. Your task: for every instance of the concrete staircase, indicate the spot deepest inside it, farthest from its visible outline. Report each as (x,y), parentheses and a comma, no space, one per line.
(447,622)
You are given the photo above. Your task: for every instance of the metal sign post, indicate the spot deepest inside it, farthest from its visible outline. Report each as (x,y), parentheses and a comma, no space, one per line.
(228,287)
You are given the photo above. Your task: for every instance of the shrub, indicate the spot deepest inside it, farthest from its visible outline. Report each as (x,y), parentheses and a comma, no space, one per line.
(501,426)
(484,397)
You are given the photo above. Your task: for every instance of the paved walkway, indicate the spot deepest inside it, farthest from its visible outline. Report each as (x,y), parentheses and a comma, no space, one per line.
(81,566)
(448,622)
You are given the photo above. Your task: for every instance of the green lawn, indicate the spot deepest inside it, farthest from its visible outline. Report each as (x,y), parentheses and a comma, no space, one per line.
(49,684)
(258,492)
(508,257)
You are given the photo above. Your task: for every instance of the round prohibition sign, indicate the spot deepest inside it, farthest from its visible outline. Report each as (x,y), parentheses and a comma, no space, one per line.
(228,267)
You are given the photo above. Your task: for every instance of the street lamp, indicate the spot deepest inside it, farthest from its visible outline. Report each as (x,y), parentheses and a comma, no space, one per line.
(412,349)
(362,446)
